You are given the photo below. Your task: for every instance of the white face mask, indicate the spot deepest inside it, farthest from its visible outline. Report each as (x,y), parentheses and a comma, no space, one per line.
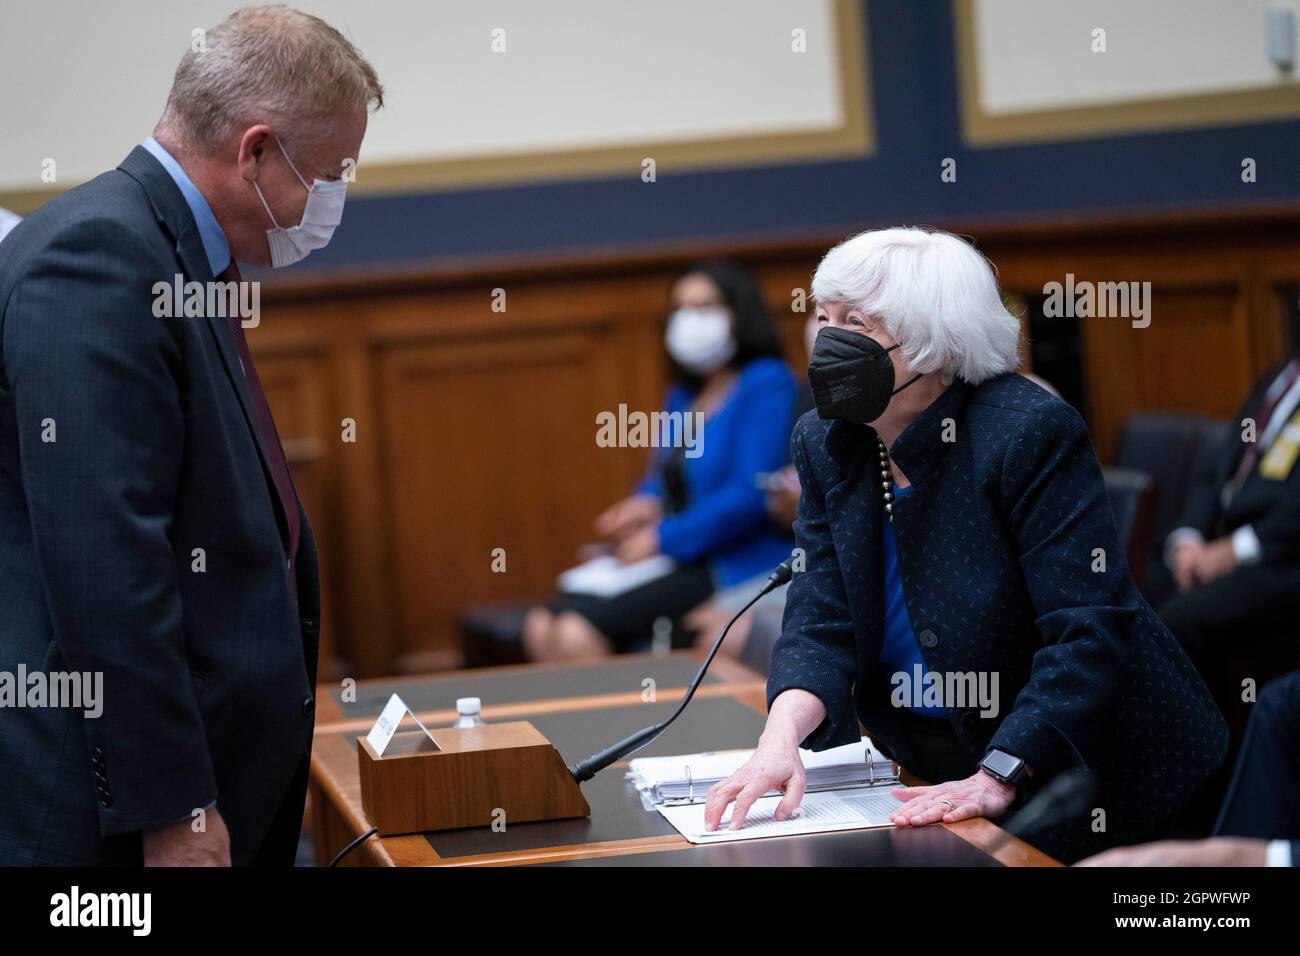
(321,215)
(700,340)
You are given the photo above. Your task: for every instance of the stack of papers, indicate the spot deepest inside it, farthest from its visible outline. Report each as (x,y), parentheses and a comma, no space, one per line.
(687,779)
(608,577)
(857,809)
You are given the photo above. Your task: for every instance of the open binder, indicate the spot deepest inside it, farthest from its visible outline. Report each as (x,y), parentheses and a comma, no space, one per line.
(676,781)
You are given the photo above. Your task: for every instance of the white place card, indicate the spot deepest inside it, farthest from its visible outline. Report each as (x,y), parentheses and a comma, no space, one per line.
(387,722)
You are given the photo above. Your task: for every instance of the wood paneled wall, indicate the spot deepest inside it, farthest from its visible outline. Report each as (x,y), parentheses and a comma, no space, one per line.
(475,428)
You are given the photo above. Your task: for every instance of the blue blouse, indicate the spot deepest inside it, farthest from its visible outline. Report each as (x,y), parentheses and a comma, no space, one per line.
(725,523)
(899,651)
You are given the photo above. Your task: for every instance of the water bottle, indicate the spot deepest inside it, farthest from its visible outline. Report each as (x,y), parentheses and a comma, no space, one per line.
(468,709)
(661,637)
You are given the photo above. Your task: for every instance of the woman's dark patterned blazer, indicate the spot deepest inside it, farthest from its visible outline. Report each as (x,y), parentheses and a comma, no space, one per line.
(998,551)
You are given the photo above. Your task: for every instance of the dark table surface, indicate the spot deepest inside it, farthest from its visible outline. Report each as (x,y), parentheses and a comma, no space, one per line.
(923,846)
(583,709)
(520,685)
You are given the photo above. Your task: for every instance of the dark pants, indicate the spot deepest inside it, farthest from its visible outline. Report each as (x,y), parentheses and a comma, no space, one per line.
(938,753)
(628,620)
(1244,625)
(1263,798)
(1223,626)
(1254,609)
(280,848)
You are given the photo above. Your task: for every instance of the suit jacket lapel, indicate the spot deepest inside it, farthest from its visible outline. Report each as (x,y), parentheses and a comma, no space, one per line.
(854,504)
(174,215)
(922,449)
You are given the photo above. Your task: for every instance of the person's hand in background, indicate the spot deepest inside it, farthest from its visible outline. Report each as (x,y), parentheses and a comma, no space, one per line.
(1185,558)
(708,620)
(618,520)
(1215,560)
(783,496)
(178,845)
(638,545)
(1219,851)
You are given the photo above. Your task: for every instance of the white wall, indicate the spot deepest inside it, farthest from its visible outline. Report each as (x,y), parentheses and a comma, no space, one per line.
(85,80)
(1037,54)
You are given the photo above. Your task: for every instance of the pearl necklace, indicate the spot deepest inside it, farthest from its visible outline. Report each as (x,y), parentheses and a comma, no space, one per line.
(886,480)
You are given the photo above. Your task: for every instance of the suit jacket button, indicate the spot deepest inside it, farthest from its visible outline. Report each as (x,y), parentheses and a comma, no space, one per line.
(929,638)
(309,706)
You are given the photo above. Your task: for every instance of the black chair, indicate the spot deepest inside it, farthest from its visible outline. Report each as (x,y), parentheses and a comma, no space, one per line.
(493,634)
(1180,451)
(1176,451)
(1133,503)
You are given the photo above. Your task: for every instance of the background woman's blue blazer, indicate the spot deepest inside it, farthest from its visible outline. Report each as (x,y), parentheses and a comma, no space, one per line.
(997,544)
(726,522)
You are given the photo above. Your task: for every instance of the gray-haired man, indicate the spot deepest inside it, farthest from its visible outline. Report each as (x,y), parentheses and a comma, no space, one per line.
(149,529)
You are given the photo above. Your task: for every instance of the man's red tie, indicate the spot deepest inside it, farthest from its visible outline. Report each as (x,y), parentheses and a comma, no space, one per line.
(266,425)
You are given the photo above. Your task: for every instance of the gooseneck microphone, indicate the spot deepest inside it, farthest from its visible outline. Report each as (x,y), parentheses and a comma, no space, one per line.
(586,769)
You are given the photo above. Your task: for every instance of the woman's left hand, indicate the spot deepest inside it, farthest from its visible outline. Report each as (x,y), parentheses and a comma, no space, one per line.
(979,795)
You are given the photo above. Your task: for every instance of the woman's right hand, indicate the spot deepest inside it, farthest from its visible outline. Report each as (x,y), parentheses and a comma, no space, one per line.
(629,513)
(775,765)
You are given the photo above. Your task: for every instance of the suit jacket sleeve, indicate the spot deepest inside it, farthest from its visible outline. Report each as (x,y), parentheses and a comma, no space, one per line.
(1279,530)
(817,650)
(1058,515)
(1209,476)
(101,435)
(1203,496)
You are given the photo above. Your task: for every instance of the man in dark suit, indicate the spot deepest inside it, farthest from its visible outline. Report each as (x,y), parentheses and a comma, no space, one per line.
(1236,558)
(1259,822)
(151,542)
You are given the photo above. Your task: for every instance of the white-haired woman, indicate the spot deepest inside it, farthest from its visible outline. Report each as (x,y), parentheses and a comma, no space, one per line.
(964,595)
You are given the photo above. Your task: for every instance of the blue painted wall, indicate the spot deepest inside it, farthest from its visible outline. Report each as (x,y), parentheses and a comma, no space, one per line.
(917,124)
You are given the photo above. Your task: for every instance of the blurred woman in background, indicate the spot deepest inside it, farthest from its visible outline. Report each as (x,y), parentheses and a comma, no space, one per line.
(706,512)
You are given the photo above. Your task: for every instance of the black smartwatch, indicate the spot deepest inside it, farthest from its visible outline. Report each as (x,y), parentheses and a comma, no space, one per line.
(1000,765)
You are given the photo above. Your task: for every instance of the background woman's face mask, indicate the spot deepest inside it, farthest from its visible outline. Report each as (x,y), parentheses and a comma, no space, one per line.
(320,217)
(700,340)
(851,375)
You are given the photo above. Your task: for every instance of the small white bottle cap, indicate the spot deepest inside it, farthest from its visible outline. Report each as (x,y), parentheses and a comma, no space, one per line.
(468,705)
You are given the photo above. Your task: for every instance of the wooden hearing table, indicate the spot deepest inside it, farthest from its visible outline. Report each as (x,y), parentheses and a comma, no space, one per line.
(582,708)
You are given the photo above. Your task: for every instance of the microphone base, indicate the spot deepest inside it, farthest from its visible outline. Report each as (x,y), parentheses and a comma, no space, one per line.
(466,777)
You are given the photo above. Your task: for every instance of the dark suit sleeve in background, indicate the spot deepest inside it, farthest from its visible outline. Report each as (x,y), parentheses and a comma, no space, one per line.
(85,355)
(1211,473)
(1279,530)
